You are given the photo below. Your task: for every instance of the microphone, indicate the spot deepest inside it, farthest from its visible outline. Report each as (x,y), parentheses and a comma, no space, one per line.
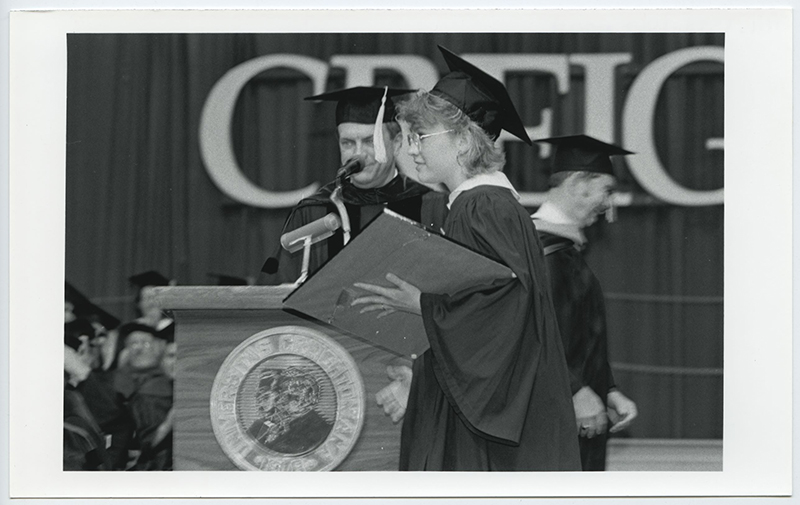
(318,230)
(353,166)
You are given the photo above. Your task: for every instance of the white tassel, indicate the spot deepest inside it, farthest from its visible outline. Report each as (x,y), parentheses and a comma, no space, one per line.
(377,137)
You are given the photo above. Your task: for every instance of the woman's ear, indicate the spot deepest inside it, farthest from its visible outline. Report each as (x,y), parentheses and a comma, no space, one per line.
(462,143)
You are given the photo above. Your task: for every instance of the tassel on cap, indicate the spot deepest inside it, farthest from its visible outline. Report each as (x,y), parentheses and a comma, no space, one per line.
(377,137)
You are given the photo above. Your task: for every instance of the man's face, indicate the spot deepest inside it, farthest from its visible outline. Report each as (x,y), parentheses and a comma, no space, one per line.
(356,140)
(144,350)
(151,312)
(592,197)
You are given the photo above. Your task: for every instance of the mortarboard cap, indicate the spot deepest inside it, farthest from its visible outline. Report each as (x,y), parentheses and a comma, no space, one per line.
(582,153)
(74,330)
(167,332)
(128,328)
(480,96)
(149,278)
(228,280)
(362,104)
(83,308)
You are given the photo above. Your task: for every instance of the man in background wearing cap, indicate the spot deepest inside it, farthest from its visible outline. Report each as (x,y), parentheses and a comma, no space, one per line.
(368,132)
(147,390)
(582,184)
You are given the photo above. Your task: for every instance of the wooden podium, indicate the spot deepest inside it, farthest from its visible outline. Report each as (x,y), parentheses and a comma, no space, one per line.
(210,323)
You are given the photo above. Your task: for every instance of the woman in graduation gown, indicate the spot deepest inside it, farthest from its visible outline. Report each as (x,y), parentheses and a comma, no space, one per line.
(492,392)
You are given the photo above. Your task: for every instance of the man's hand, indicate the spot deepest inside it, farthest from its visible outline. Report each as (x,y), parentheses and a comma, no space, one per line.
(621,410)
(590,413)
(163,429)
(394,397)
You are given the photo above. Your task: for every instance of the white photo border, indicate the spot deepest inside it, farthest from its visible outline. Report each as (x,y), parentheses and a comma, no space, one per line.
(758,303)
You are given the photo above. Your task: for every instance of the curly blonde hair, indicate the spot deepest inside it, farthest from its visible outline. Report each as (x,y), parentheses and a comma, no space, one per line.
(425,110)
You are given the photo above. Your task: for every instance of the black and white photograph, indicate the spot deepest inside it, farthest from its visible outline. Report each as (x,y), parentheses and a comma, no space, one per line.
(512,260)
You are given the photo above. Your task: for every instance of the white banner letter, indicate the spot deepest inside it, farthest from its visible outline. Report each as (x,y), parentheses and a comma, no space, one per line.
(637,128)
(216,146)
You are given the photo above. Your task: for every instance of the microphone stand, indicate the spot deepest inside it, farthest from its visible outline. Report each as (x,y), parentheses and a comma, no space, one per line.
(306,258)
(336,198)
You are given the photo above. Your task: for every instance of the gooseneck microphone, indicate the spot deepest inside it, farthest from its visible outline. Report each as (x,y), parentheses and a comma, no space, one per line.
(353,166)
(317,230)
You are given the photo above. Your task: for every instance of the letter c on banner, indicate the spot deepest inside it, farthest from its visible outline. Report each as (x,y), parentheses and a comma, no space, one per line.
(637,131)
(216,146)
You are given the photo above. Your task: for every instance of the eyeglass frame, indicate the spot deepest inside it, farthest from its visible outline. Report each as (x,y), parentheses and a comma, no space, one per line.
(416,139)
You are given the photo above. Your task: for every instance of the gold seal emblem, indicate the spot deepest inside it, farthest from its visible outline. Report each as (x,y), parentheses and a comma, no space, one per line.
(287,399)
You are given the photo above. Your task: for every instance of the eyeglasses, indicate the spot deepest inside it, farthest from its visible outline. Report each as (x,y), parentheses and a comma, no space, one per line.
(416,138)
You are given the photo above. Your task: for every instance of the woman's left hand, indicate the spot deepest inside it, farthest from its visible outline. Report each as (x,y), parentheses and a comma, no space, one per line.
(402,296)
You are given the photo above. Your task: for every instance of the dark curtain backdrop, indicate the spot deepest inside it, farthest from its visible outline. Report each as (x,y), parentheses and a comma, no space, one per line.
(138,196)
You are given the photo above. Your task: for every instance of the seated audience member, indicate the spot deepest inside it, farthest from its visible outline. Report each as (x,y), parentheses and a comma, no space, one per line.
(77,305)
(147,312)
(147,392)
(96,386)
(84,443)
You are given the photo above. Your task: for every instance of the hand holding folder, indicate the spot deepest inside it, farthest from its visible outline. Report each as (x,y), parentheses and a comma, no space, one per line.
(395,245)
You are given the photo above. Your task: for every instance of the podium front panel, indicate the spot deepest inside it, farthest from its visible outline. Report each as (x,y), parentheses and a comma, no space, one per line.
(205,338)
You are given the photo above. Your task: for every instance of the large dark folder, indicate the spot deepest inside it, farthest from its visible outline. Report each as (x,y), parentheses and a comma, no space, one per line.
(391,244)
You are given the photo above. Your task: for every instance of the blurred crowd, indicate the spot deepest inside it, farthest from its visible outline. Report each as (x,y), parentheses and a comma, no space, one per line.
(118,383)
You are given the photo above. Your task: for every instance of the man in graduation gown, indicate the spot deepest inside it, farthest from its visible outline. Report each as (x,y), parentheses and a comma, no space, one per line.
(368,133)
(147,390)
(581,188)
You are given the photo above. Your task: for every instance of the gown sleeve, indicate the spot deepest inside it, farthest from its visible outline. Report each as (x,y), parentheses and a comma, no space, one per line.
(569,301)
(487,340)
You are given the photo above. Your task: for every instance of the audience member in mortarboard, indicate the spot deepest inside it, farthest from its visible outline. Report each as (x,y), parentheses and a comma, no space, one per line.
(84,439)
(367,132)
(147,311)
(86,377)
(77,305)
(84,443)
(581,188)
(492,392)
(147,390)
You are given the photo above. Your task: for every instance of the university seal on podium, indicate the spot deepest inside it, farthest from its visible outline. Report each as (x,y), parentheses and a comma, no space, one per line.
(287,399)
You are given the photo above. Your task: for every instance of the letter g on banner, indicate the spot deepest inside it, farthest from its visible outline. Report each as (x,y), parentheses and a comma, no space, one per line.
(637,130)
(216,146)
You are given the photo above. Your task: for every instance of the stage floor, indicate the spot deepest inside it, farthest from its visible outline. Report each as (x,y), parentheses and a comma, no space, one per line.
(628,454)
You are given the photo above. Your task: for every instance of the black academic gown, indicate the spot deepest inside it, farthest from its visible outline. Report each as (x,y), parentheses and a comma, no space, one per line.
(580,308)
(401,195)
(492,392)
(148,395)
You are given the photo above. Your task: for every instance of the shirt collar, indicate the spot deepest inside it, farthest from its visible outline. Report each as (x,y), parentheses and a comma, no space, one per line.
(493,179)
(549,218)
(550,212)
